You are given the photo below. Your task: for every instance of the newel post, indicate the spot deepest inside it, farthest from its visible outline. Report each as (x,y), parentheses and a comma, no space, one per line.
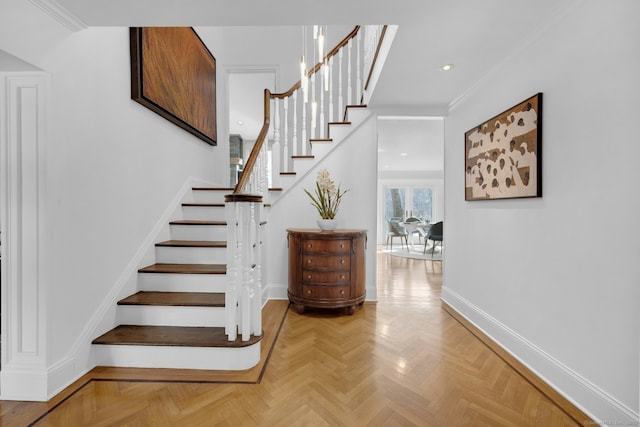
(243,308)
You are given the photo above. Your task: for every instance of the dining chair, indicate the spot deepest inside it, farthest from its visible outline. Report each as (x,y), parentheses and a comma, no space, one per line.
(435,235)
(396,230)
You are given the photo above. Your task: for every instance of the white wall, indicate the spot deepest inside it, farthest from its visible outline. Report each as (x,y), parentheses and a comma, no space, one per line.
(112,169)
(556,279)
(352,165)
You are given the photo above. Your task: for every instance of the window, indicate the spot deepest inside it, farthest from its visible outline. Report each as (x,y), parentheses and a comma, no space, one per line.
(405,202)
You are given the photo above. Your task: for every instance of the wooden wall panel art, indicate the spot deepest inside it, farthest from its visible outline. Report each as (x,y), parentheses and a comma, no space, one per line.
(503,156)
(174,74)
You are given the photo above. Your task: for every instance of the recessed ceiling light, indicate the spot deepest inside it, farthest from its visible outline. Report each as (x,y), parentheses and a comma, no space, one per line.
(446,67)
(380,150)
(404,154)
(240,122)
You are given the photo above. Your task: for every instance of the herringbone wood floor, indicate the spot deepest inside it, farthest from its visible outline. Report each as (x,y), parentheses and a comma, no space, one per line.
(401,362)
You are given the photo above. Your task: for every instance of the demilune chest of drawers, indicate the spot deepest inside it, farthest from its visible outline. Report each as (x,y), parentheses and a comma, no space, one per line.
(326,268)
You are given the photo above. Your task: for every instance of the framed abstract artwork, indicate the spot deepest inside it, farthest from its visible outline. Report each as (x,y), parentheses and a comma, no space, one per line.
(503,156)
(174,74)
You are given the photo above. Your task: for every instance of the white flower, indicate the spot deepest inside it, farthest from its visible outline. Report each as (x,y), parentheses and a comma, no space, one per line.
(327,195)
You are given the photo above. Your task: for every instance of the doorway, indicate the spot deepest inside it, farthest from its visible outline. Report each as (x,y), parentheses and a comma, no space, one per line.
(246,113)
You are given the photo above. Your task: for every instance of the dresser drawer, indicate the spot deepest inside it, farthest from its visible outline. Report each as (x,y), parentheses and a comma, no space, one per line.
(326,268)
(329,277)
(330,246)
(327,261)
(326,292)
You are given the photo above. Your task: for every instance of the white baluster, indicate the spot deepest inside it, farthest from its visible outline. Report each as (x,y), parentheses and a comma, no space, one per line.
(303,145)
(358,68)
(340,99)
(294,139)
(331,89)
(256,307)
(231,288)
(264,176)
(349,88)
(275,158)
(244,243)
(276,155)
(322,124)
(314,106)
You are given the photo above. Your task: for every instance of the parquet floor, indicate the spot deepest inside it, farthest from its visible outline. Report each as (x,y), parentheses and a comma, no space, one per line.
(402,361)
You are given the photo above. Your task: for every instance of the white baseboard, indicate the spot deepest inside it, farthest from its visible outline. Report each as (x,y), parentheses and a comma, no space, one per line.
(275,292)
(602,407)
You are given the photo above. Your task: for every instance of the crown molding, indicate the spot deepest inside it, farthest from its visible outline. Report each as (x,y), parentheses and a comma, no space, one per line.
(60,14)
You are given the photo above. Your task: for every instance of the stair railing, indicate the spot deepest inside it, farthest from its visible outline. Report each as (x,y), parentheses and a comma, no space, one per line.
(296,124)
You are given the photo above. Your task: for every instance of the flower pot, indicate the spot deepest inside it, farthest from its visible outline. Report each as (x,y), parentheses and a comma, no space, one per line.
(327,224)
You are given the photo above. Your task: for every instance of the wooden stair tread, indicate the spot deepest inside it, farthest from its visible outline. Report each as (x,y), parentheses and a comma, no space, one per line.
(214,205)
(276,189)
(182,299)
(212,188)
(303,157)
(339,123)
(287,173)
(197,222)
(185,268)
(194,243)
(312,140)
(182,336)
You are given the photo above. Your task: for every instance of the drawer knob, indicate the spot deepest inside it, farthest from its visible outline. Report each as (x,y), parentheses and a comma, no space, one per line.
(308,261)
(309,291)
(309,245)
(342,292)
(342,276)
(341,245)
(309,276)
(342,261)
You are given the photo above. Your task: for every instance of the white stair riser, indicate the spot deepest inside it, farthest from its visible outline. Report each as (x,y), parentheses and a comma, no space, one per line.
(149,315)
(198,232)
(321,149)
(302,166)
(286,181)
(190,255)
(339,132)
(357,115)
(212,358)
(170,282)
(210,196)
(203,213)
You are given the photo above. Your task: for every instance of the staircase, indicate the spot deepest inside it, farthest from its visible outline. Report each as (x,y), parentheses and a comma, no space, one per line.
(176,319)
(199,305)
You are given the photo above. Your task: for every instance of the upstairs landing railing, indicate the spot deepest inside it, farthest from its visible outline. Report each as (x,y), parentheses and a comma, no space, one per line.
(300,116)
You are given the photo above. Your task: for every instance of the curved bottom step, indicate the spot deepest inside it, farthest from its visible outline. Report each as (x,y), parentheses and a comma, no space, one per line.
(174,347)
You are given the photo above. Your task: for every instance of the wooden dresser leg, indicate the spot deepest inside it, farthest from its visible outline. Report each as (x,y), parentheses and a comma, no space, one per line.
(299,308)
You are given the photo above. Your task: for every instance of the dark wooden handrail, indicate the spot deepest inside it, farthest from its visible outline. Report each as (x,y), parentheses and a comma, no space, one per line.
(317,67)
(255,151)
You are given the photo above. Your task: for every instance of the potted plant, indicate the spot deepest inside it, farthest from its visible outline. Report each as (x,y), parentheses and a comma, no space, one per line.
(326,199)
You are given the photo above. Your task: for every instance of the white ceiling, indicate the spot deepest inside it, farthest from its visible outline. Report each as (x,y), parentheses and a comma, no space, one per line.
(410,144)
(475,35)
